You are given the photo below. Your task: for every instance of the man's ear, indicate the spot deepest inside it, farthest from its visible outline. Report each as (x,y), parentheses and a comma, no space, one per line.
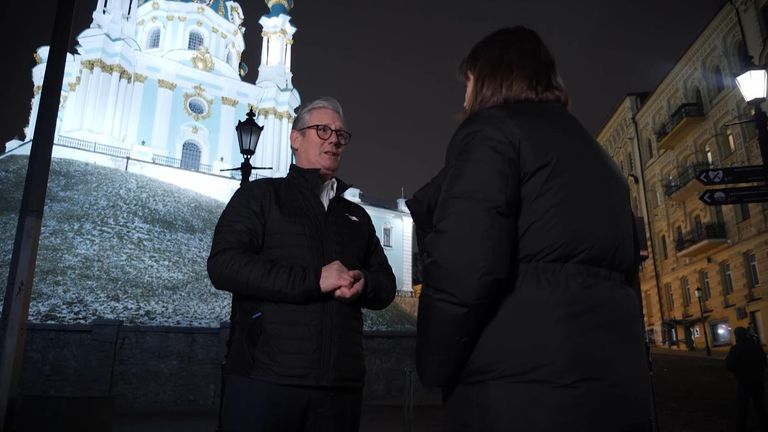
(295,138)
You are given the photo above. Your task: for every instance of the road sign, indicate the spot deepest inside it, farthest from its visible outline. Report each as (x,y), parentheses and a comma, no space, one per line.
(741,174)
(742,195)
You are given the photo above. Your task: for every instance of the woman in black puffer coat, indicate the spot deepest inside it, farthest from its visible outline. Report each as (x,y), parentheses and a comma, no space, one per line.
(528,318)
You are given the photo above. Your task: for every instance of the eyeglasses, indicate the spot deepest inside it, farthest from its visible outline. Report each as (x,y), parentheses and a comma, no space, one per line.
(324,132)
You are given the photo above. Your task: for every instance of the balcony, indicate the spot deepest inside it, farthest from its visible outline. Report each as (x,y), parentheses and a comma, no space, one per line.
(701,240)
(685,184)
(685,118)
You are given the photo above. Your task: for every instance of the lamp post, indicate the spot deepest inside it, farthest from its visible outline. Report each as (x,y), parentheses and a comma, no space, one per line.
(699,293)
(753,85)
(248,133)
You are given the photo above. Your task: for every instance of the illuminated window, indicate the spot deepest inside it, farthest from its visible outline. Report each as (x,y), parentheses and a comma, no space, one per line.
(154,39)
(196,40)
(754,274)
(721,332)
(685,289)
(705,288)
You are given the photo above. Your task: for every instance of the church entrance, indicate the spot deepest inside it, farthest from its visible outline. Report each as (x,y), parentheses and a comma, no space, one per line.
(190,156)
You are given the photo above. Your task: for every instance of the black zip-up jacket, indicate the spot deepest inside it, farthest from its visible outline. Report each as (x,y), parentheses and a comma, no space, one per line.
(530,258)
(269,247)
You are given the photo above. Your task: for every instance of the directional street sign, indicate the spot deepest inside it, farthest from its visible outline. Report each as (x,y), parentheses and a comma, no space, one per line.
(741,195)
(741,174)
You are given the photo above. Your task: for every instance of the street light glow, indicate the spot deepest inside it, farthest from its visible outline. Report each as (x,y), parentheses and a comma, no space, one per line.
(752,84)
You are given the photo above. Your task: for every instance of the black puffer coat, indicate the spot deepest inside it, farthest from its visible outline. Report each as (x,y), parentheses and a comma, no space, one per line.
(269,247)
(529,259)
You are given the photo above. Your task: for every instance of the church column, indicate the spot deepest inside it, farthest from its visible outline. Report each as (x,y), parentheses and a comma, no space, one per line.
(162,116)
(179,41)
(284,145)
(81,93)
(102,94)
(33,113)
(132,127)
(91,94)
(111,98)
(274,130)
(227,125)
(120,107)
(71,107)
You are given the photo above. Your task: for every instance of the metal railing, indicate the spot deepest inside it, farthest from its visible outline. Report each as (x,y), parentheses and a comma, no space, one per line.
(684,177)
(690,109)
(93,147)
(714,230)
(177,163)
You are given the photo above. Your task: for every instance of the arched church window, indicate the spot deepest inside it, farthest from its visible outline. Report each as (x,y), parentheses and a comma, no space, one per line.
(229,58)
(190,156)
(196,40)
(153,41)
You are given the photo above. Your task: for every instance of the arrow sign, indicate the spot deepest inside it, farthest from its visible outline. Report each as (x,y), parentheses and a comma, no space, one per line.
(751,194)
(742,174)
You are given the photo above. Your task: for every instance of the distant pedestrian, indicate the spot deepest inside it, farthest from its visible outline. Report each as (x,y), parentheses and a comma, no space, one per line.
(528,318)
(746,359)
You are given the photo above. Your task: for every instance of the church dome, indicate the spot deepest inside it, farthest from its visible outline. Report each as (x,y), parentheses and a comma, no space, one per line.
(218,6)
(277,7)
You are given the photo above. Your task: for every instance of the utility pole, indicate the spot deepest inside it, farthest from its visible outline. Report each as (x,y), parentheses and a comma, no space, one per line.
(13,323)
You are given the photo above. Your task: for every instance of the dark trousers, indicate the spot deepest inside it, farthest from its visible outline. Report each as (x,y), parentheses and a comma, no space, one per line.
(752,389)
(252,405)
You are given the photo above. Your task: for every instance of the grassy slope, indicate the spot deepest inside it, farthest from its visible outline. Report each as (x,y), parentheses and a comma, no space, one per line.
(124,246)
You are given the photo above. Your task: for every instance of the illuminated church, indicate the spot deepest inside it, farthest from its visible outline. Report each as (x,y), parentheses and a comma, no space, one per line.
(155,88)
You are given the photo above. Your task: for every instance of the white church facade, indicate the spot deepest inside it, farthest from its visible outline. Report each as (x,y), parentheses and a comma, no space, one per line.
(156,88)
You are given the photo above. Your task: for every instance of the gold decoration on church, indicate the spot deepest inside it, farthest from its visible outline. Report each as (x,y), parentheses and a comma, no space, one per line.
(37,89)
(200,9)
(221,8)
(154,19)
(229,101)
(170,17)
(139,78)
(195,129)
(169,85)
(182,18)
(214,29)
(223,35)
(155,5)
(140,22)
(126,76)
(266,112)
(37,57)
(200,95)
(87,65)
(202,59)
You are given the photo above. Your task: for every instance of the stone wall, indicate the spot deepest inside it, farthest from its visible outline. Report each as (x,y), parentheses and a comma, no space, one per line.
(160,368)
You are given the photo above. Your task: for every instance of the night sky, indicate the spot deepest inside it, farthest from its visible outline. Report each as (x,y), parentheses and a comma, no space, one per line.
(392,65)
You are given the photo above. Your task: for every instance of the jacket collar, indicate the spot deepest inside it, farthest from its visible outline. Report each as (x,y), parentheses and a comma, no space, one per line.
(310,179)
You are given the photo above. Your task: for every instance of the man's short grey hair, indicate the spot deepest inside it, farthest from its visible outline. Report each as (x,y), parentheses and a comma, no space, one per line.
(302,117)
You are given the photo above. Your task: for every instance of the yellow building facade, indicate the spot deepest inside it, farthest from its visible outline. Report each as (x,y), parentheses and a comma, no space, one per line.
(694,121)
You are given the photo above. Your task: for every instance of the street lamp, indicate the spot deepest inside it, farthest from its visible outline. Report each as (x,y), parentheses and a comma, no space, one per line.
(698,292)
(753,85)
(248,133)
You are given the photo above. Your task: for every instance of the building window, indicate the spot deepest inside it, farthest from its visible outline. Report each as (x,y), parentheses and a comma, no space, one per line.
(721,332)
(648,306)
(650,149)
(708,154)
(659,197)
(731,141)
(742,212)
(670,297)
(190,156)
(387,240)
(705,288)
(718,83)
(754,274)
(196,40)
(698,227)
(197,106)
(725,269)
(153,41)
(664,247)
(685,289)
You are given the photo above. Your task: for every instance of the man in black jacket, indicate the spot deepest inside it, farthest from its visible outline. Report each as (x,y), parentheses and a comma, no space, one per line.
(301,262)
(746,360)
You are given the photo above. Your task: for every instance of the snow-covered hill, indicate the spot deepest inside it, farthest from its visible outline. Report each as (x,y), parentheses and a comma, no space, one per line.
(124,246)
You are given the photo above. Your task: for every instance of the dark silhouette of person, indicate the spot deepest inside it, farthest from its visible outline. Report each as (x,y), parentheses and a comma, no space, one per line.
(746,359)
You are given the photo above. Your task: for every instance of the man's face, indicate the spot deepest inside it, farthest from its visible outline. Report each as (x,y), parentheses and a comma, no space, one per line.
(313,152)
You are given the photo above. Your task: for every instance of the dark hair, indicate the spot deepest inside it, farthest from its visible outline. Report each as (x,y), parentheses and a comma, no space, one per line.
(511,65)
